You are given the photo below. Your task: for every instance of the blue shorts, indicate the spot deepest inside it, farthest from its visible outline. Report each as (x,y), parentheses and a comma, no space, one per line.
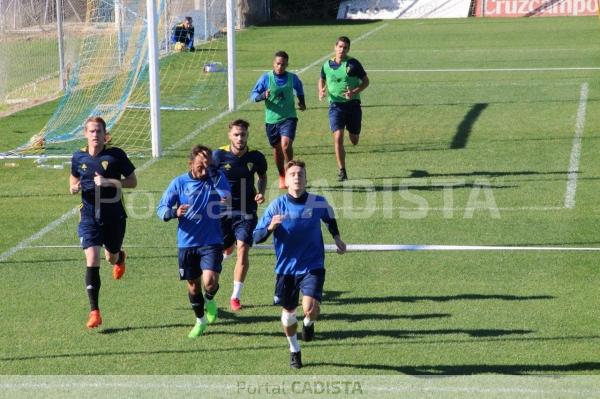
(110,235)
(238,227)
(195,259)
(345,116)
(285,128)
(287,288)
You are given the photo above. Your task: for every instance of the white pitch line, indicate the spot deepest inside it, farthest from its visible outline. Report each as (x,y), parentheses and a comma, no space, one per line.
(558,69)
(26,242)
(576,149)
(418,247)
(454,209)
(391,247)
(54,224)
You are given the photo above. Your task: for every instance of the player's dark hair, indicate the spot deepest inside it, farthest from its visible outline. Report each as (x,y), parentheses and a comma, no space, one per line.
(198,149)
(344,39)
(296,162)
(244,124)
(283,55)
(95,119)
(188,19)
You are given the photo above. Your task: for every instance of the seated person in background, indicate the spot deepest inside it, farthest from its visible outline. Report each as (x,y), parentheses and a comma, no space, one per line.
(183,35)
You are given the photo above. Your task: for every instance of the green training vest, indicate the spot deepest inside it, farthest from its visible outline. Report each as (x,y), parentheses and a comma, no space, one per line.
(280,104)
(337,81)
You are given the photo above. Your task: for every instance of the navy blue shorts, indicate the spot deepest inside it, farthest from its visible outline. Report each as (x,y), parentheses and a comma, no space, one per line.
(110,235)
(345,116)
(288,288)
(286,128)
(238,227)
(195,259)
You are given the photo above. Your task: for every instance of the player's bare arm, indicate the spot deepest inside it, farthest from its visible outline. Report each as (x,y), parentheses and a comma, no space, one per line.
(322,89)
(341,245)
(74,184)
(261,187)
(362,86)
(128,182)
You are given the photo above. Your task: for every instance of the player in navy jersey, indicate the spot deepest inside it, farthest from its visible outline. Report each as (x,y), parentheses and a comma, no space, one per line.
(294,219)
(99,171)
(342,80)
(240,164)
(194,198)
(276,88)
(183,35)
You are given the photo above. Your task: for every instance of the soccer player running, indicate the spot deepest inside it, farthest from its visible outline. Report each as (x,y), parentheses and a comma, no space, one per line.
(276,88)
(99,171)
(240,164)
(294,220)
(342,80)
(194,198)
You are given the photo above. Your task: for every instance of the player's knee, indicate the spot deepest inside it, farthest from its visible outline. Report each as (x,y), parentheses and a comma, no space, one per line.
(211,285)
(354,139)
(194,287)
(288,319)
(313,311)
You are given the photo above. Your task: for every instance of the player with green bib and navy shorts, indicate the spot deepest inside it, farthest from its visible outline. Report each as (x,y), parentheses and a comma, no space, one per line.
(276,88)
(343,78)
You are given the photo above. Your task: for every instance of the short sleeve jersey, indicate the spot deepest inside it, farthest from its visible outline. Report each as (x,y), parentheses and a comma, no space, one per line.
(112,163)
(337,80)
(240,173)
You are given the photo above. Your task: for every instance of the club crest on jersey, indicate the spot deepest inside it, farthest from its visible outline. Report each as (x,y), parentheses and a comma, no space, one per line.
(227,166)
(307,213)
(83,167)
(104,164)
(250,165)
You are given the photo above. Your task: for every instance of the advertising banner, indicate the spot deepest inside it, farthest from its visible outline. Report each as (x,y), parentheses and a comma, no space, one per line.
(535,8)
(400,9)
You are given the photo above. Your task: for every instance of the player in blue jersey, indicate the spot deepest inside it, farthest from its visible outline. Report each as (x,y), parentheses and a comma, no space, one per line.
(194,198)
(294,219)
(343,78)
(99,172)
(276,88)
(240,164)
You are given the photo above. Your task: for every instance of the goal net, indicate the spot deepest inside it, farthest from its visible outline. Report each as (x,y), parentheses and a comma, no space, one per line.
(108,76)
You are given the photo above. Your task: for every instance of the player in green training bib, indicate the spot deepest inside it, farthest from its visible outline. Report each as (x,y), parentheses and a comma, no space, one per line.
(342,80)
(276,88)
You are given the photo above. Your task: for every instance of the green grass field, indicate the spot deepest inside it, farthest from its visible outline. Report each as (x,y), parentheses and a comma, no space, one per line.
(468,139)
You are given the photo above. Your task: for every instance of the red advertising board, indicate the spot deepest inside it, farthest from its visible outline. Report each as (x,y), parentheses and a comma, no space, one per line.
(535,8)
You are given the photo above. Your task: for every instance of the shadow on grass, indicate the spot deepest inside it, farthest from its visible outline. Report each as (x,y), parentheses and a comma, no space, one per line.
(335,298)
(317,345)
(395,334)
(358,187)
(463,131)
(415,173)
(389,148)
(469,369)
(354,317)
(348,317)
(134,328)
